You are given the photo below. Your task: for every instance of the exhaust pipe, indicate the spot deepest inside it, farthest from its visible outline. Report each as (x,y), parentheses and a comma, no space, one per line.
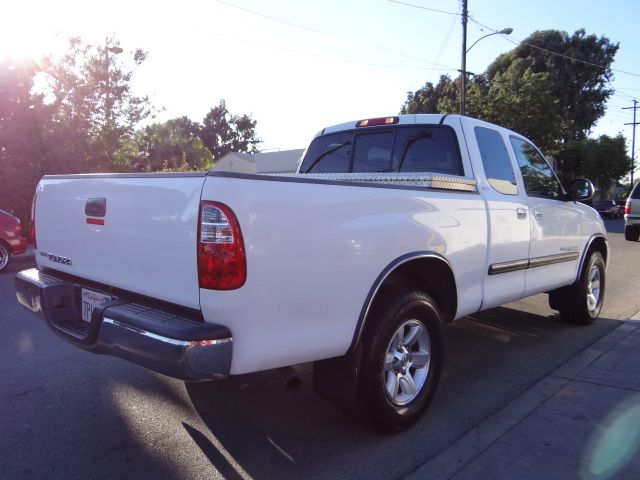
(290,378)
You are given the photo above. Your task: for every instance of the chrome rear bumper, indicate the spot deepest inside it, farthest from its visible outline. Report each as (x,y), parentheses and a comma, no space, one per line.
(170,343)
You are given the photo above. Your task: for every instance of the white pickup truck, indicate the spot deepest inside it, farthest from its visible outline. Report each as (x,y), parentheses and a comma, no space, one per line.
(391,228)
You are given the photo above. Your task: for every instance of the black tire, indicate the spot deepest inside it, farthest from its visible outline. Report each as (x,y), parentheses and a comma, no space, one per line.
(381,371)
(5,256)
(581,302)
(631,233)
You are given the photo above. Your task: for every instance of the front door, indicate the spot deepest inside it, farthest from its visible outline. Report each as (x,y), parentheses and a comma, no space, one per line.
(555,226)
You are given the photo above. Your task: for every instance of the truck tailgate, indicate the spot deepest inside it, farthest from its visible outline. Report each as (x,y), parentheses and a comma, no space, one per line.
(144,242)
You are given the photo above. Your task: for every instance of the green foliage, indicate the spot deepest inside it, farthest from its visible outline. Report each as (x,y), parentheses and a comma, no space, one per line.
(82,116)
(604,160)
(21,149)
(91,102)
(551,98)
(223,132)
(581,89)
(439,98)
(521,101)
(170,145)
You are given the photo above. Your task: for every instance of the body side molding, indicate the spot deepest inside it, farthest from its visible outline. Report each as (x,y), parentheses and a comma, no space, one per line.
(525,264)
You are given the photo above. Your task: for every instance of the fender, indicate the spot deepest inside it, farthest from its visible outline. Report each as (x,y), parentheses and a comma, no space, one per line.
(388,270)
(583,257)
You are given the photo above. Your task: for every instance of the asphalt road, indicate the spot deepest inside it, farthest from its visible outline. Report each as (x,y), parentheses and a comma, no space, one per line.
(70,414)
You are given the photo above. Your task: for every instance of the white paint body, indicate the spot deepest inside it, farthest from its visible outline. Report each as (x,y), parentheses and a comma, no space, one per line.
(314,250)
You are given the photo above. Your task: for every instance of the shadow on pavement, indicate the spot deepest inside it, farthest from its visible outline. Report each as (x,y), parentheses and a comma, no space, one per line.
(492,358)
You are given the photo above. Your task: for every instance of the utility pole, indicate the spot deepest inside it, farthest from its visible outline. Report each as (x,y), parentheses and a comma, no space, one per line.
(633,138)
(463,80)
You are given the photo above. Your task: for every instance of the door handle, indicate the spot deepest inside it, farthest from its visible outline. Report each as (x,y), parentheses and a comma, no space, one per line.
(538,214)
(522,213)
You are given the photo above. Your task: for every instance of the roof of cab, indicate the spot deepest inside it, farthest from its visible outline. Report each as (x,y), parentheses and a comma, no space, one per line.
(423,118)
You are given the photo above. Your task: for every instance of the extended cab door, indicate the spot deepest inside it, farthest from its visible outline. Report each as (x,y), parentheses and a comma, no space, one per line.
(507,210)
(555,224)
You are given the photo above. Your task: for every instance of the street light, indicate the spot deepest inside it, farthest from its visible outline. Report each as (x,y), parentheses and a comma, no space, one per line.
(463,71)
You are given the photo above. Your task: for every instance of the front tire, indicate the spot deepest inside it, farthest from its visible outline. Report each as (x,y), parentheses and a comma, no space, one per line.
(402,360)
(5,256)
(581,302)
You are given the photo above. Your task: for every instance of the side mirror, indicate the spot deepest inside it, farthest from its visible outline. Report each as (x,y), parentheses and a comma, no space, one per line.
(580,189)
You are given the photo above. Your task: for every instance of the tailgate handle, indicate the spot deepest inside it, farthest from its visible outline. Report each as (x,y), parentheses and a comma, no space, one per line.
(96,207)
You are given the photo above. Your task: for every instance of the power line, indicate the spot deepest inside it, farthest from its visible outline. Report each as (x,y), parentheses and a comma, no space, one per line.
(562,55)
(339,35)
(424,8)
(335,58)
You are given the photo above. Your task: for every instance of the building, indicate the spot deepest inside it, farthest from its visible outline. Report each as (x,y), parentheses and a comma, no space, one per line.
(284,161)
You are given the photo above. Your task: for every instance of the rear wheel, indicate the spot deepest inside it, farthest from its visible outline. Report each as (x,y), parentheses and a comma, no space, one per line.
(402,360)
(5,256)
(581,302)
(631,233)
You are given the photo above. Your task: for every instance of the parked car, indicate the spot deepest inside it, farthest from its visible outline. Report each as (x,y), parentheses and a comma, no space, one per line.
(11,240)
(391,228)
(607,208)
(620,208)
(632,215)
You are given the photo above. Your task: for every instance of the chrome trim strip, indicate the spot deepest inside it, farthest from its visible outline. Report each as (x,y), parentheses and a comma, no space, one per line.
(551,259)
(506,267)
(144,333)
(516,265)
(160,338)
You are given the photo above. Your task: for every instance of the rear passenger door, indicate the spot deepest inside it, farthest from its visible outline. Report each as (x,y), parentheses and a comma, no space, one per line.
(555,225)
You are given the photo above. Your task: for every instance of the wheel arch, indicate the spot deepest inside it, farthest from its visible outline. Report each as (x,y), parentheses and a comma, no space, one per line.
(596,243)
(426,271)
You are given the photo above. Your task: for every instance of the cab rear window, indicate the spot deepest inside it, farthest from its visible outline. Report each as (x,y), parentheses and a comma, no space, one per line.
(431,149)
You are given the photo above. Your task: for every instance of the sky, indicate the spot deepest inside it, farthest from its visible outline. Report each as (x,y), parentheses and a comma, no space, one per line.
(298,66)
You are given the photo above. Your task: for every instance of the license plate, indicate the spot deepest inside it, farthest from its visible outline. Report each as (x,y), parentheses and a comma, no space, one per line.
(91,300)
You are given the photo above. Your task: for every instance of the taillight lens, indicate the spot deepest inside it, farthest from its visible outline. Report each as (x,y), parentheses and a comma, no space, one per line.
(33,222)
(222,263)
(627,209)
(18,229)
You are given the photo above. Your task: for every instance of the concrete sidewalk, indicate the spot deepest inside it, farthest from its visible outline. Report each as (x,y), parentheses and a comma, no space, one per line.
(580,422)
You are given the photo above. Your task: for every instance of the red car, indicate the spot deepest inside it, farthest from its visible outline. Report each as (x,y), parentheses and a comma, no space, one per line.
(11,240)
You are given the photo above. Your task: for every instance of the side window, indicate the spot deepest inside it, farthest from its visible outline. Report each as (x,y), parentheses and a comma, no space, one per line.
(328,154)
(373,152)
(495,161)
(539,179)
(427,149)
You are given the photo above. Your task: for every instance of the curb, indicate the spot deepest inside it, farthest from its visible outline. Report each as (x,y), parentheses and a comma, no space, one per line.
(465,450)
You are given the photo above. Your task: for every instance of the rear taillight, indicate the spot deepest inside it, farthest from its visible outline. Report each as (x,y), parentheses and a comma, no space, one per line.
(627,209)
(18,229)
(222,263)
(33,222)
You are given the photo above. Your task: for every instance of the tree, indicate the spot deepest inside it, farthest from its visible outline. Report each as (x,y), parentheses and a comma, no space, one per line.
(523,102)
(92,104)
(604,160)
(21,149)
(172,145)
(579,71)
(552,87)
(432,98)
(221,132)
